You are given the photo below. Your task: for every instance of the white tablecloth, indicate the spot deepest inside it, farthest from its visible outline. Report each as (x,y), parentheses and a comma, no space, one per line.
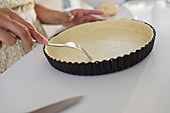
(144,88)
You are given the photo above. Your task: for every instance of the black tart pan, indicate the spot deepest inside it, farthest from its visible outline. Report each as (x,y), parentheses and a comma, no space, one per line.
(105,66)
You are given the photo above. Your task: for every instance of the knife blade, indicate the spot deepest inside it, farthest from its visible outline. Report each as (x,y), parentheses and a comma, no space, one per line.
(58,106)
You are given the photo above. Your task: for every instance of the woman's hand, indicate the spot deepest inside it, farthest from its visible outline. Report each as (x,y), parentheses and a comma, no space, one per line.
(12,26)
(74,17)
(79,16)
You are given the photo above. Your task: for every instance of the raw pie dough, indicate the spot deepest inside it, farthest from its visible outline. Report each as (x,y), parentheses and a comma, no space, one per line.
(109,8)
(102,40)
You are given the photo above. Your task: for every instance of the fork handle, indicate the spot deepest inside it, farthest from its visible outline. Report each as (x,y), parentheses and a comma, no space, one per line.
(49,44)
(56,45)
(34,41)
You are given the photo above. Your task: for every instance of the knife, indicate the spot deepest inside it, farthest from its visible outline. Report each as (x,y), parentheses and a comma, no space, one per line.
(58,106)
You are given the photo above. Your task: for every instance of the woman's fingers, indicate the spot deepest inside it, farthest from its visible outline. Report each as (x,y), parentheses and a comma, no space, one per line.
(37,36)
(85,19)
(83,15)
(92,18)
(93,12)
(81,20)
(6,38)
(82,12)
(34,33)
(13,23)
(18,29)
(22,32)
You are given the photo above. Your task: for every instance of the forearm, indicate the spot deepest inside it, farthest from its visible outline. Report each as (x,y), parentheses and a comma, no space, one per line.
(47,16)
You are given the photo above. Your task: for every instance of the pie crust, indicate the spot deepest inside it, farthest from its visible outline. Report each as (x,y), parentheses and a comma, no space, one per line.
(105,41)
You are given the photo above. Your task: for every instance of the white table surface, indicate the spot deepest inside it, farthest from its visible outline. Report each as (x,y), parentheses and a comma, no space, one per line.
(144,88)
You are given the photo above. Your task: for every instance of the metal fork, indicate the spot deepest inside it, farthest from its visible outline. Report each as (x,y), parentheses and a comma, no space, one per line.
(70,45)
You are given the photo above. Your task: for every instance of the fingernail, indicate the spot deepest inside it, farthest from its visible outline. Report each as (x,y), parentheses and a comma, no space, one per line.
(45,41)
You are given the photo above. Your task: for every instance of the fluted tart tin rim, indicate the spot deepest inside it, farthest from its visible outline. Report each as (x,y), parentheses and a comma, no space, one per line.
(104,66)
